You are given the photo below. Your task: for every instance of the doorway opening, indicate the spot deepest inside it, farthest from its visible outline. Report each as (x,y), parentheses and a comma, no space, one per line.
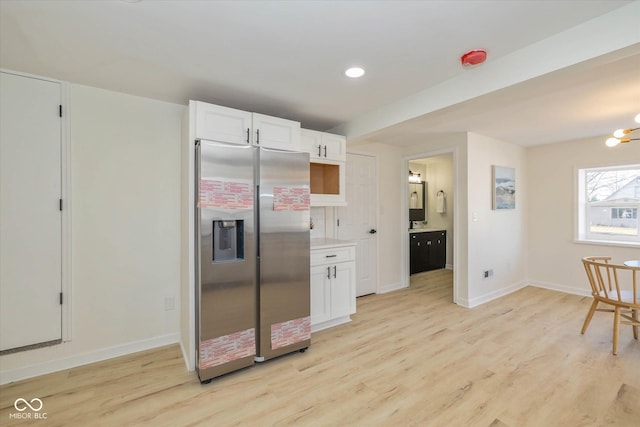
(429,184)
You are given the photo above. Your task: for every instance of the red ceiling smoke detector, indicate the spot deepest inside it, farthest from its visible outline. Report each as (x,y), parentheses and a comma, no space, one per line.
(473,57)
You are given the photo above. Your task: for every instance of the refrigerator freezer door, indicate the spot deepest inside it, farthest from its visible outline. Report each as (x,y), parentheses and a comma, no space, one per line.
(283,292)
(226,263)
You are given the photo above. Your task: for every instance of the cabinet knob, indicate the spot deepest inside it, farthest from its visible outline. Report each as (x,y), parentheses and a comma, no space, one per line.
(373,231)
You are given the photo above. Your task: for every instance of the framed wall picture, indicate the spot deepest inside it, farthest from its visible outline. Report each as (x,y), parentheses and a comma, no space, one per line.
(504,187)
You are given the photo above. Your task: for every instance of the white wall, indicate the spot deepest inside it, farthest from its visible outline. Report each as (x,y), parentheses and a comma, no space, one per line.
(125,231)
(554,257)
(498,238)
(440,176)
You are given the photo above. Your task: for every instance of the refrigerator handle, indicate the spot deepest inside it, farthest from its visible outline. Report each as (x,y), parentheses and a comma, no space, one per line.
(335,272)
(328,272)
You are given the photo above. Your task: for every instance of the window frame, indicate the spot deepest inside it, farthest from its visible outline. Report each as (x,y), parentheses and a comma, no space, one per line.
(582,233)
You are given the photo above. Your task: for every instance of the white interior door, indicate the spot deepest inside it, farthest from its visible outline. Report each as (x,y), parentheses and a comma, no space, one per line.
(357,220)
(30,217)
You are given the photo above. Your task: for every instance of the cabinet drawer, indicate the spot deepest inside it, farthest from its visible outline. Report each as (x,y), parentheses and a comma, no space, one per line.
(332,255)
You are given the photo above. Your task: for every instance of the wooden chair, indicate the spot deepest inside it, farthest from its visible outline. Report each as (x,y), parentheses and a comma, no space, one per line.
(607,282)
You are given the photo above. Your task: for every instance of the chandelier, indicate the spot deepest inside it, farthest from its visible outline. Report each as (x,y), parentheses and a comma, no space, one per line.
(620,135)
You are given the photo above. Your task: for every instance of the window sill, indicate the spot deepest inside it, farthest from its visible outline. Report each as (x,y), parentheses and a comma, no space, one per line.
(607,243)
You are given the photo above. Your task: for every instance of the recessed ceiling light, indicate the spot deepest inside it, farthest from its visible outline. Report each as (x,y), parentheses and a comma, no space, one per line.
(354,72)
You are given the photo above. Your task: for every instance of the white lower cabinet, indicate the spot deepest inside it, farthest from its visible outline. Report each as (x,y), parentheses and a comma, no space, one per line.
(333,286)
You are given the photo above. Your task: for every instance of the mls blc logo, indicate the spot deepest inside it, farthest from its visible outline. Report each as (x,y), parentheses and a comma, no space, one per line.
(28,410)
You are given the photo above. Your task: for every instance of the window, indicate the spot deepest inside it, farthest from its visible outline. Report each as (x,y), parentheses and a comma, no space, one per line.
(608,204)
(624,213)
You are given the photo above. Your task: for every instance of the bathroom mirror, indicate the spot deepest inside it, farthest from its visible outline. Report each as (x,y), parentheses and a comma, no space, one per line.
(417,201)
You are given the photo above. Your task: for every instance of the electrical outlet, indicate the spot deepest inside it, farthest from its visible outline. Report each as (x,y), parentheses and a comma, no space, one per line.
(169,304)
(487,273)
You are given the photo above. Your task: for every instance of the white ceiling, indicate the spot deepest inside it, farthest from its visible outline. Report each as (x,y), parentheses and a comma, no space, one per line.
(287,58)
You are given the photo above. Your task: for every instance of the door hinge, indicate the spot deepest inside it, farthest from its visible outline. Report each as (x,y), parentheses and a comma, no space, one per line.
(60,298)
(60,204)
(60,111)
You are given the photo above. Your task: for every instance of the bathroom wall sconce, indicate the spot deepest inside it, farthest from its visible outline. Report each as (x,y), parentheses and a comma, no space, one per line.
(414,177)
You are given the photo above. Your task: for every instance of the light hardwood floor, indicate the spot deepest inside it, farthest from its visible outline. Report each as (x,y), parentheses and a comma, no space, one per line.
(409,358)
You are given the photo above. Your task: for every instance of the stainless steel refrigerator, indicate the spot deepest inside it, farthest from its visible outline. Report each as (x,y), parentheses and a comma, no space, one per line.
(252,255)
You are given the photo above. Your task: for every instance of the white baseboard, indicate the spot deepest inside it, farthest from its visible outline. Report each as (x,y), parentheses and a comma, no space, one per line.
(390,287)
(11,375)
(586,292)
(330,323)
(448,266)
(185,357)
(474,302)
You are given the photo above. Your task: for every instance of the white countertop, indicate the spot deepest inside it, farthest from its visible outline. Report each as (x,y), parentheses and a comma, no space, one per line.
(323,243)
(424,230)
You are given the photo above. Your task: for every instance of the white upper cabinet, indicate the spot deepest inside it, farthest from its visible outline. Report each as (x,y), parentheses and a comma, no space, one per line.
(324,146)
(274,132)
(223,124)
(328,156)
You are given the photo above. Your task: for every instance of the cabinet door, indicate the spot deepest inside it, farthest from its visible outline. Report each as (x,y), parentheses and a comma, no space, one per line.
(415,263)
(420,252)
(334,147)
(320,294)
(343,289)
(222,124)
(438,251)
(311,142)
(324,146)
(274,132)
(425,251)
